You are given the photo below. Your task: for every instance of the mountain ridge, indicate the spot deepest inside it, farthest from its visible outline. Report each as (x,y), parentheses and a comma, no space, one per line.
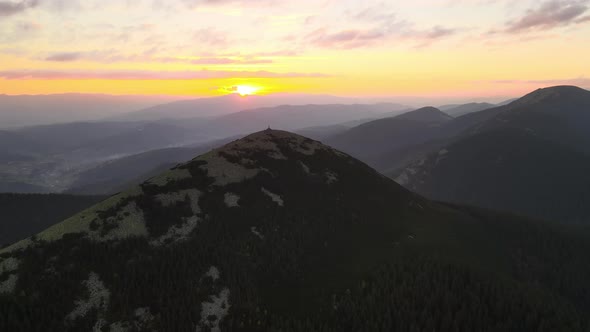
(278,231)
(378,136)
(514,159)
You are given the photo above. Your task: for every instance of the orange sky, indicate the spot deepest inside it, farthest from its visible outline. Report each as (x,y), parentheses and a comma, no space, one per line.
(357,48)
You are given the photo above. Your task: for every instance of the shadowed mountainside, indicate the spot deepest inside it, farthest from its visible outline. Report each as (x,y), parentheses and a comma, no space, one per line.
(531,158)
(279,232)
(27,214)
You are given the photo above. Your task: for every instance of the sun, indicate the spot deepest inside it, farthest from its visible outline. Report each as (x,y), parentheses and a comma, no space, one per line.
(246,90)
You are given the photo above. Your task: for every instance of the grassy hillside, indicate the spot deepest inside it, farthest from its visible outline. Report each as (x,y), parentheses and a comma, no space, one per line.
(23,215)
(278,232)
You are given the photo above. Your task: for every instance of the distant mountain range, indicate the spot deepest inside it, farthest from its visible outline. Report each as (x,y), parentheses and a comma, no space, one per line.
(531,157)
(233,103)
(113,176)
(30,110)
(510,156)
(288,117)
(371,140)
(53,158)
(458,110)
(388,144)
(48,158)
(278,232)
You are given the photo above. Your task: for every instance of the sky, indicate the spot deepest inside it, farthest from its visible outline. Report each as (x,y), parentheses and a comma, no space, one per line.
(467,48)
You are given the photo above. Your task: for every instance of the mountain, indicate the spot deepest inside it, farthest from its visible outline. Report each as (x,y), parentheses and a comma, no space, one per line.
(227,104)
(57,156)
(146,137)
(15,147)
(96,140)
(425,114)
(322,132)
(371,140)
(101,136)
(11,186)
(560,114)
(458,110)
(279,232)
(506,102)
(286,117)
(531,158)
(327,131)
(411,142)
(61,137)
(27,214)
(52,156)
(31,110)
(114,175)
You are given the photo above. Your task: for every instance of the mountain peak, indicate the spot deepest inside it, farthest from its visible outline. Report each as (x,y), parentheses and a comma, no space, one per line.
(272,143)
(268,157)
(552,94)
(426,114)
(278,232)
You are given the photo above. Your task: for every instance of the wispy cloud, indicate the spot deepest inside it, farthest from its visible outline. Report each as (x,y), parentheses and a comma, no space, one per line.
(65,57)
(358,38)
(111,56)
(376,25)
(345,39)
(549,15)
(194,3)
(8,8)
(229,61)
(579,81)
(211,37)
(146,75)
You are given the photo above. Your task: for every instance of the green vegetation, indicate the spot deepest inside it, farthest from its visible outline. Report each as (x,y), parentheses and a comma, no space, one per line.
(349,250)
(23,215)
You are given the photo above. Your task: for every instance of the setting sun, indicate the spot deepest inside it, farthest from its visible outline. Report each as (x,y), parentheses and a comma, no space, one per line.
(246,90)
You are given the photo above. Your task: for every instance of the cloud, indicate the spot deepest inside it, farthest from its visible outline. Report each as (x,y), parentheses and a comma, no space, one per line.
(111,56)
(8,8)
(579,81)
(345,39)
(146,75)
(194,3)
(22,27)
(211,37)
(229,61)
(357,38)
(375,25)
(549,15)
(65,57)
(437,32)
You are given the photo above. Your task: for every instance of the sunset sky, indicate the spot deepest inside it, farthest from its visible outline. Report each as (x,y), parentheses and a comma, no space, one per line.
(341,47)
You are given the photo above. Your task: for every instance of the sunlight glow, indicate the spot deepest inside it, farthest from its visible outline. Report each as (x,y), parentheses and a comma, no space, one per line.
(246,90)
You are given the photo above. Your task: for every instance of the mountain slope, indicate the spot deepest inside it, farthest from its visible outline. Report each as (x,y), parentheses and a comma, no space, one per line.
(458,110)
(52,156)
(531,158)
(27,214)
(103,138)
(7,186)
(114,175)
(279,232)
(231,103)
(377,137)
(389,144)
(286,117)
(30,110)
(560,114)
